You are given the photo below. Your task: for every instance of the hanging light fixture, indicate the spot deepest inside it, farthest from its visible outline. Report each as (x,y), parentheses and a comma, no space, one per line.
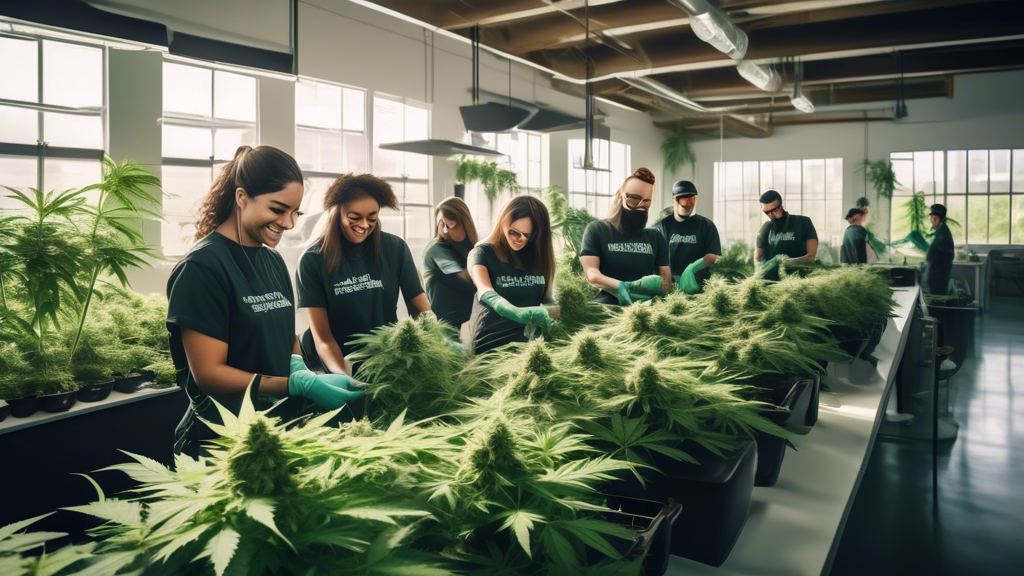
(798,100)
(588,132)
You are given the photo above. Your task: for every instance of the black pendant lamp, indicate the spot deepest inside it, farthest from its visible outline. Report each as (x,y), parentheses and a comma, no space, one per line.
(588,142)
(489,116)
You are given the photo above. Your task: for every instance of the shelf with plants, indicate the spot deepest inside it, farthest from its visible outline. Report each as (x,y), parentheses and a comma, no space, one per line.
(70,329)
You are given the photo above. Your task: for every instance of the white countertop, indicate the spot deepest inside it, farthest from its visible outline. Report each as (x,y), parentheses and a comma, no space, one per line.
(10,424)
(794,527)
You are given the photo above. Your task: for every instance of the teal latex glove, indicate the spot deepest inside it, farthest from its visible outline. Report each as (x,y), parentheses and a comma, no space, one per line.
(521,314)
(328,391)
(623,293)
(645,288)
(688,281)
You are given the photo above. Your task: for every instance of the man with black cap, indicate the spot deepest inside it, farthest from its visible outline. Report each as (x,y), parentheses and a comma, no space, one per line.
(938,264)
(693,242)
(784,234)
(856,249)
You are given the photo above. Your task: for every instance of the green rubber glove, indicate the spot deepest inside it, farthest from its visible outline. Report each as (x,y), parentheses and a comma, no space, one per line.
(521,314)
(623,293)
(645,288)
(688,281)
(328,391)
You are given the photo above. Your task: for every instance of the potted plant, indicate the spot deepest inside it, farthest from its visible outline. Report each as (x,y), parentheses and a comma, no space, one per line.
(20,402)
(677,152)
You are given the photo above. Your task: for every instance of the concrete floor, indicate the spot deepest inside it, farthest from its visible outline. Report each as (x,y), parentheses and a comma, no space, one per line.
(977,527)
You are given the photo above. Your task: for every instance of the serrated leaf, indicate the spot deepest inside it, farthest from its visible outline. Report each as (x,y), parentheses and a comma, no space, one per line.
(521,522)
(179,542)
(220,549)
(262,511)
(123,512)
(12,528)
(379,514)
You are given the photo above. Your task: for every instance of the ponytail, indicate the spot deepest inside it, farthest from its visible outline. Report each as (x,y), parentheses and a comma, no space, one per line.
(259,170)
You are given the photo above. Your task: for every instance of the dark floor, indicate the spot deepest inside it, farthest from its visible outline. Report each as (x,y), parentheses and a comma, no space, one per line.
(978,526)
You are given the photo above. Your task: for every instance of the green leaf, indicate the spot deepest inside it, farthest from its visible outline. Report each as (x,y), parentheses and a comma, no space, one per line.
(9,529)
(262,511)
(521,522)
(123,512)
(220,549)
(379,513)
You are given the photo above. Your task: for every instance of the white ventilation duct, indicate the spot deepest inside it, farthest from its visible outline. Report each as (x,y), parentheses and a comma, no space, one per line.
(763,77)
(712,26)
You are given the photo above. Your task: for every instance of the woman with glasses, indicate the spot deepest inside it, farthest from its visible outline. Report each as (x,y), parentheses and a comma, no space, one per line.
(513,270)
(784,234)
(620,255)
(449,287)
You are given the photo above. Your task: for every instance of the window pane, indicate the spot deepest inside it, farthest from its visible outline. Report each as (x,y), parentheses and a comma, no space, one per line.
(1017,234)
(999,174)
(72,74)
(766,174)
(71,174)
(187,142)
(392,221)
(1018,170)
(751,183)
(940,172)
(898,227)
(834,178)
(188,90)
(924,177)
(956,208)
(305,149)
(734,218)
(778,176)
(904,170)
(19,69)
(814,180)
(388,120)
(329,152)
(18,126)
(355,109)
(956,165)
(184,188)
(355,153)
(73,131)
(227,140)
(18,172)
(999,219)
(977,220)
(535,180)
(417,223)
(234,96)
(734,180)
(416,193)
(792,191)
(977,163)
(318,105)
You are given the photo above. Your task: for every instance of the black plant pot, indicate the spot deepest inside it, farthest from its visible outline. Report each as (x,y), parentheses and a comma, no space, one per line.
(460,191)
(24,407)
(130,384)
(95,392)
(812,408)
(651,523)
(902,277)
(771,450)
(60,402)
(4,411)
(715,496)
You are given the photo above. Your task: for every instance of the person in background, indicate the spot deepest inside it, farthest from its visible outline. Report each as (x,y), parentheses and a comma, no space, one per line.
(620,255)
(348,280)
(938,264)
(449,287)
(864,206)
(856,249)
(693,242)
(230,313)
(784,234)
(514,270)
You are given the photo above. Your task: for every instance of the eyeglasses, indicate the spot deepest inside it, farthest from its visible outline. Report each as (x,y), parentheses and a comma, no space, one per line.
(773,210)
(634,201)
(516,235)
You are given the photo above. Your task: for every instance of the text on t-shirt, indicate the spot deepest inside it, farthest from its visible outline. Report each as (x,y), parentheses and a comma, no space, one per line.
(267,302)
(631,247)
(519,281)
(357,284)
(679,239)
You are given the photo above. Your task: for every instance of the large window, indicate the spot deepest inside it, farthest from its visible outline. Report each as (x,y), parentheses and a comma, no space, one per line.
(526,154)
(594,189)
(396,120)
(983,190)
(52,98)
(208,114)
(812,187)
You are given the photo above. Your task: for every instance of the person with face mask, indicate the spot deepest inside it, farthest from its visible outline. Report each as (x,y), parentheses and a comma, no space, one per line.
(449,287)
(348,280)
(230,313)
(620,255)
(693,242)
(856,249)
(938,264)
(784,234)
(514,271)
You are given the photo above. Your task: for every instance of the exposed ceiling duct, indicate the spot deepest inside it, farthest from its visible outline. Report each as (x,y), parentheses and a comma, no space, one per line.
(712,26)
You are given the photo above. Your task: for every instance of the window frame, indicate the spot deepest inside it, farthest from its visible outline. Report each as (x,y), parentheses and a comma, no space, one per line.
(591,199)
(403,180)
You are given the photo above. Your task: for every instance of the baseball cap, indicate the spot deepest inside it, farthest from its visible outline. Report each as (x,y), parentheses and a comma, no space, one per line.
(938,210)
(683,188)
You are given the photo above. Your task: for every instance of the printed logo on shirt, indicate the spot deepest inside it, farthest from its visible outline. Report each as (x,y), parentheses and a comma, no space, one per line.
(631,247)
(774,238)
(267,302)
(519,281)
(357,284)
(679,239)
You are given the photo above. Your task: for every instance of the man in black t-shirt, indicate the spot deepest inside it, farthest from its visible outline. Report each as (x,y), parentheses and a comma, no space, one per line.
(856,249)
(938,265)
(693,242)
(784,234)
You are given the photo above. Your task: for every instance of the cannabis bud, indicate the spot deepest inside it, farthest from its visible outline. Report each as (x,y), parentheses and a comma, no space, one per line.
(258,464)
(638,318)
(644,380)
(538,361)
(588,352)
(407,337)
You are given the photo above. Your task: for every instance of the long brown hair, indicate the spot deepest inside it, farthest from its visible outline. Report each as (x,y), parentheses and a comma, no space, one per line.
(258,170)
(615,214)
(345,189)
(455,208)
(539,253)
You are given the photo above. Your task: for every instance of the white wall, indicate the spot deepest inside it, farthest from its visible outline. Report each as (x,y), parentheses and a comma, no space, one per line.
(985,112)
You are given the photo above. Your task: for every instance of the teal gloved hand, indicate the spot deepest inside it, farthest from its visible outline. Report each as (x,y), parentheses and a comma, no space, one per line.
(521,314)
(623,293)
(645,288)
(688,281)
(328,391)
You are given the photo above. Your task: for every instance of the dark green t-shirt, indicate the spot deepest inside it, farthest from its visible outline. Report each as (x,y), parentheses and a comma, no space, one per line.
(521,288)
(237,294)
(855,245)
(622,257)
(362,294)
(938,266)
(789,237)
(450,295)
(689,240)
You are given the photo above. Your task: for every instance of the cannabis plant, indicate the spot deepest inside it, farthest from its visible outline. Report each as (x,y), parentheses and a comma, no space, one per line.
(677,152)
(880,175)
(735,263)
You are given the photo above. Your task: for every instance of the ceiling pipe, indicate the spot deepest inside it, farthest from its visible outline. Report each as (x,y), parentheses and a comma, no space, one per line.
(658,89)
(712,26)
